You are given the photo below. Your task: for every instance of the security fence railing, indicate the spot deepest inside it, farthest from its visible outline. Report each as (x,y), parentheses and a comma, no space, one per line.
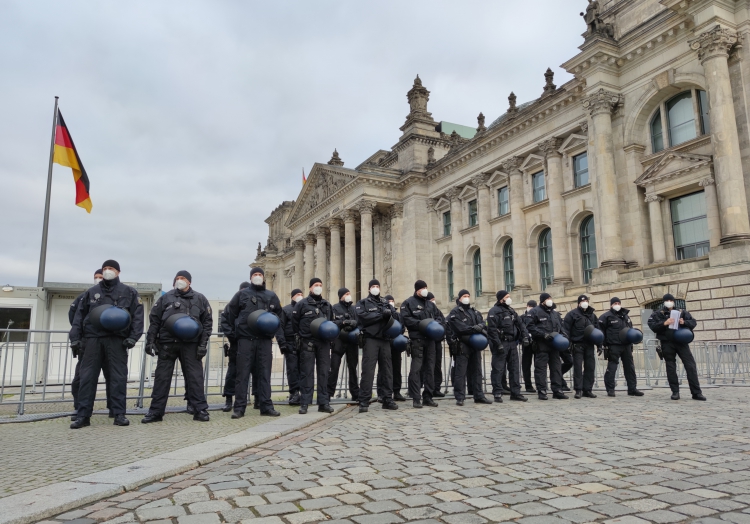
(38,371)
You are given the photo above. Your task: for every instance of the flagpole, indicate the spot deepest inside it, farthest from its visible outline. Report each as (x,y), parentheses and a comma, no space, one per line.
(45,227)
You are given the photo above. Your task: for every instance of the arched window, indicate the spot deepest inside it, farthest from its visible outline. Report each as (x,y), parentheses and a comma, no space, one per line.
(510,280)
(588,248)
(450,280)
(546,269)
(686,118)
(477,274)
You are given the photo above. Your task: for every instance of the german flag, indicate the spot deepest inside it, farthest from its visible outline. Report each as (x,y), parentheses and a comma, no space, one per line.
(67,155)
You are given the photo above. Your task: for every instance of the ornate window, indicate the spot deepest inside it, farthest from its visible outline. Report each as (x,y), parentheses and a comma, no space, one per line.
(477,274)
(503,202)
(473,215)
(581,169)
(685,117)
(450,280)
(690,225)
(510,280)
(546,268)
(588,248)
(447,223)
(538,184)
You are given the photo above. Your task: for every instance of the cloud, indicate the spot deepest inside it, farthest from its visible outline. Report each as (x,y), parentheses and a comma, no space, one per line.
(194,119)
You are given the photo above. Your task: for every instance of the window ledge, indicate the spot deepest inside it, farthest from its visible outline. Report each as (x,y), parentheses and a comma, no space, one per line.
(573,191)
(443,239)
(535,205)
(685,146)
(469,229)
(500,218)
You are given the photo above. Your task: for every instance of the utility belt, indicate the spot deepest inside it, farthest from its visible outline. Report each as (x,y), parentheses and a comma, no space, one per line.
(308,344)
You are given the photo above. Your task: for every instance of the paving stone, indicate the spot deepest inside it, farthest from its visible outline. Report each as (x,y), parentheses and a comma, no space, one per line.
(276,509)
(381,506)
(578,515)
(285,496)
(252,500)
(499,514)
(464,518)
(341,512)
(211,506)
(693,510)
(305,516)
(237,514)
(567,503)
(453,507)
(662,516)
(380,518)
(163,512)
(420,513)
(207,518)
(325,502)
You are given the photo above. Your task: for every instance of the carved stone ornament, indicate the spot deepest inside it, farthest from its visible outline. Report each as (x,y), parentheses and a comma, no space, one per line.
(334,223)
(549,86)
(309,239)
(709,181)
(550,147)
(335,159)
(260,250)
(321,232)
(595,24)
(512,164)
(452,193)
(584,127)
(397,211)
(431,156)
(317,190)
(653,198)
(512,103)
(717,42)
(480,181)
(418,97)
(349,215)
(430,204)
(366,207)
(602,101)
(299,245)
(480,121)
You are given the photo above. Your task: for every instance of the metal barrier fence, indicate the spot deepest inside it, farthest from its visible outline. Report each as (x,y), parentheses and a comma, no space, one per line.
(40,370)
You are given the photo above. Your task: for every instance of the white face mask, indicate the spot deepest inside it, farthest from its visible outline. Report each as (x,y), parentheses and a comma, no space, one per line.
(181,285)
(296,298)
(317,290)
(423,292)
(109,274)
(374,291)
(348,299)
(257,280)
(508,301)
(584,305)
(392,304)
(529,309)
(669,304)
(617,307)
(97,280)
(465,301)
(549,303)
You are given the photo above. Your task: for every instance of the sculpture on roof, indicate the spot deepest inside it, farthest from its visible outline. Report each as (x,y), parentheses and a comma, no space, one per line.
(549,86)
(512,103)
(596,25)
(335,159)
(480,121)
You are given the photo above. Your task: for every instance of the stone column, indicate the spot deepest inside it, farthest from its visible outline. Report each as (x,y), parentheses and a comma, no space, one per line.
(554,175)
(309,261)
(321,260)
(712,211)
(713,49)
(518,224)
(397,250)
(485,234)
(604,182)
(658,245)
(299,265)
(335,226)
(457,243)
(350,251)
(365,211)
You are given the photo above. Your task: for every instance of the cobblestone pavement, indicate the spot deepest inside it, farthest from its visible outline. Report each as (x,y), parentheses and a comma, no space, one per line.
(39,453)
(618,460)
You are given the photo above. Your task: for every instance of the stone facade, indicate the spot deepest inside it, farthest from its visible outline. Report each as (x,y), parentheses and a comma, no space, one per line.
(658,109)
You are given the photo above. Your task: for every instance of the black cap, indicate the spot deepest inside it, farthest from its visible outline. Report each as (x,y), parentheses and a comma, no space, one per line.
(343,291)
(184,274)
(111,263)
(373,282)
(668,296)
(244,285)
(581,298)
(501,294)
(296,291)
(544,296)
(419,284)
(430,296)
(257,270)
(532,303)
(389,298)
(462,293)
(98,272)
(613,300)
(315,280)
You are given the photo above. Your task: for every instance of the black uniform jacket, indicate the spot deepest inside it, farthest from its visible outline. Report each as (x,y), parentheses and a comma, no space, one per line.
(173,302)
(576,321)
(504,324)
(369,312)
(307,310)
(462,320)
(611,323)
(285,337)
(415,309)
(342,312)
(244,302)
(664,333)
(544,320)
(108,292)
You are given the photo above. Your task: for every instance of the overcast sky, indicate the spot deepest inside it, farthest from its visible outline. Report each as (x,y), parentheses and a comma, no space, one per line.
(194,119)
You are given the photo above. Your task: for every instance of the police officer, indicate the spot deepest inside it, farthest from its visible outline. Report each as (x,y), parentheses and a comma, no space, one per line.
(253,348)
(584,355)
(413,310)
(438,371)
(395,359)
(464,321)
(78,354)
(374,315)
(105,345)
(660,322)
(230,351)
(544,322)
(313,352)
(505,330)
(527,349)
(288,346)
(616,347)
(164,342)
(345,317)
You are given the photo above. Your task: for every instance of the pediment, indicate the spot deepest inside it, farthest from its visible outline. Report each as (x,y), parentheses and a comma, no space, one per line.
(324,181)
(672,164)
(573,142)
(532,161)
(468,192)
(498,178)
(443,204)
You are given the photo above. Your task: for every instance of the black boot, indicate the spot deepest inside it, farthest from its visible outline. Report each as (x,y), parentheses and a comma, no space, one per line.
(699,396)
(417,404)
(519,398)
(438,394)
(635,393)
(256,403)
(303,409)
(610,392)
(388,403)
(542,396)
(228,405)
(676,395)
(151,417)
(560,396)
(578,394)
(530,389)
(120,420)
(190,409)
(499,399)
(270,413)
(325,408)
(589,394)
(399,397)
(81,422)
(427,401)
(482,400)
(459,403)
(364,407)
(294,399)
(238,413)
(201,416)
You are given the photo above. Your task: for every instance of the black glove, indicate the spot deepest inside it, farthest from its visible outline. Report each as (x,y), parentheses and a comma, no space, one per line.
(548,336)
(226,350)
(151,349)
(526,342)
(477,328)
(352,324)
(128,343)
(75,348)
(202,350)
(386,314)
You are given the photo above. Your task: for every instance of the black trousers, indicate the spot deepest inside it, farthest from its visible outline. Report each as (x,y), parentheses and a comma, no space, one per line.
(230,380)
(584,366)
(628,367)
(566,359)
(437,370)
(395,372)
(192,370)
(254,356)
(671,351)
(422,356)
(291,360)
(351,353)
(547,356)
(100,353)
(527,359)
(76,383)
(377,351)
(314,355)
(505,360)
(468,369)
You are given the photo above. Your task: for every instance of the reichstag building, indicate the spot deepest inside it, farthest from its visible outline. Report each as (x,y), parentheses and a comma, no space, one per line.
(632,179)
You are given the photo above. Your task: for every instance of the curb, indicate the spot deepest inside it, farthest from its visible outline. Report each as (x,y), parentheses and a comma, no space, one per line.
(47,501)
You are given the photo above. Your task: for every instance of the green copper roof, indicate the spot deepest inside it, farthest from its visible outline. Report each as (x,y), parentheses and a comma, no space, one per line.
(463,131)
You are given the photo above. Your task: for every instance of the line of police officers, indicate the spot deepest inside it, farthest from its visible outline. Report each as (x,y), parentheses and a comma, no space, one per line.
(310,358)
